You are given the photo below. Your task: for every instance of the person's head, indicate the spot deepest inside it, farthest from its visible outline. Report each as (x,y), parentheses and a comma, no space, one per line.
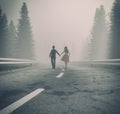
(53,47)
(65,48)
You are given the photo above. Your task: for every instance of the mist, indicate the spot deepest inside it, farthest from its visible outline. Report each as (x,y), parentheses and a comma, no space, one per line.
(60,23)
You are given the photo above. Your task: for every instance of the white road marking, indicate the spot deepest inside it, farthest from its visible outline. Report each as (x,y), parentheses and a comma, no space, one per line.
(60,75)
(13,59)
(7,63)
(20,102)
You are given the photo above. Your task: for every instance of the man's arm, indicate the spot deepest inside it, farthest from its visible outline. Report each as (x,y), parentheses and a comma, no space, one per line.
(50,54)
(57,52)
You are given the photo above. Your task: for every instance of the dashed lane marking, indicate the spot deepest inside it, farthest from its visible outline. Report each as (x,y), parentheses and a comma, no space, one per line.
(20,102)
(60,75)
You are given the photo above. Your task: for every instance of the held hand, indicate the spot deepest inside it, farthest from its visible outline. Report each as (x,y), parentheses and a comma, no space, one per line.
(59,54)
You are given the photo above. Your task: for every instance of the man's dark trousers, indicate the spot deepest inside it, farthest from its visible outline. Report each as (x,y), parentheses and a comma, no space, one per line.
(53,59)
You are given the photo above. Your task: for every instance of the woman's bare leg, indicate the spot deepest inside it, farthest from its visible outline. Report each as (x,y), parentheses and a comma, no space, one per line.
(65,65)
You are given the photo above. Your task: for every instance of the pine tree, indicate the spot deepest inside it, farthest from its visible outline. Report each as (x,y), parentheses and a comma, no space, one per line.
(115,31)
(12,40)
(3,35)
(98,35)
(25,41)
(94,34)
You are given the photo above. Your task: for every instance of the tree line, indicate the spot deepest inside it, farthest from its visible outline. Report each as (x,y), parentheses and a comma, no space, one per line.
(16,42)
(105,36)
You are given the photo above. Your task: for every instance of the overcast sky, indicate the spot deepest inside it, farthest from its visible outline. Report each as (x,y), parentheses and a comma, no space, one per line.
(58,22)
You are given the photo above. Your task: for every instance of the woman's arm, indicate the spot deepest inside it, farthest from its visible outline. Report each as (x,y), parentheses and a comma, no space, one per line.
(68,53)
(62,53)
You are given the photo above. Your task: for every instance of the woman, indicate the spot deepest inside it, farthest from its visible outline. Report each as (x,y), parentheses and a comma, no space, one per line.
(65,57)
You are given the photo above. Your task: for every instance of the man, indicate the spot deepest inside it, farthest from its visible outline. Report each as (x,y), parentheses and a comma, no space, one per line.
(52,55)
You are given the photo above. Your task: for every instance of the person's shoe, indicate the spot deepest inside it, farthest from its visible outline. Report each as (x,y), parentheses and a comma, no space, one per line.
(53,67)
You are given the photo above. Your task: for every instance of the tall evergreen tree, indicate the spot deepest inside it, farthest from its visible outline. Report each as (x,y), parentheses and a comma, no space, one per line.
(115,31)
(98,35)
(3,35)
(25,41)
(94,34)
(12,40)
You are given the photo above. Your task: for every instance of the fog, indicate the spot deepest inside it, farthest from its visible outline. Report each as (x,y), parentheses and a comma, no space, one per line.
(60,23)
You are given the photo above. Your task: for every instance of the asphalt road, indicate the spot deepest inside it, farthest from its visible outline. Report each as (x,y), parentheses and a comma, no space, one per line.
(78,90)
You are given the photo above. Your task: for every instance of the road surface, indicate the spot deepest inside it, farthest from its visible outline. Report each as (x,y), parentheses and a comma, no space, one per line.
(78,90)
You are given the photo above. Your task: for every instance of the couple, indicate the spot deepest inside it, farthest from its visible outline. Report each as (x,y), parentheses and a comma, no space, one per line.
(65,57)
